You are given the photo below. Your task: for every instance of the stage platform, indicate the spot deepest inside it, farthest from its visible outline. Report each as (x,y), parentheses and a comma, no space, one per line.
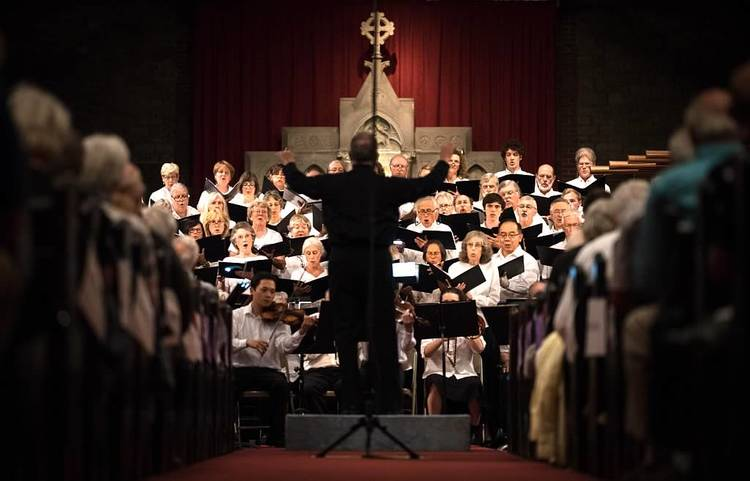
(312,432)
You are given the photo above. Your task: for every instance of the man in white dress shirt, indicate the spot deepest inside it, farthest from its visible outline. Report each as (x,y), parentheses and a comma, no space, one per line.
(512,153)
(585,159)
(427,214)
(399,167)
(545,180)
(257,349)
(528,215)
(511,235)
(557,210)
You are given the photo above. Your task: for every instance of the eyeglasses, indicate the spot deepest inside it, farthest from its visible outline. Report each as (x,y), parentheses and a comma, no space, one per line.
(526,206)
(180,197)
(474,244)
(445,205)
(426,211)
(505,235)
(170,176)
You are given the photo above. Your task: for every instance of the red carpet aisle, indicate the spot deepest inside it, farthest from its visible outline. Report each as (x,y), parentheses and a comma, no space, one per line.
(274,464)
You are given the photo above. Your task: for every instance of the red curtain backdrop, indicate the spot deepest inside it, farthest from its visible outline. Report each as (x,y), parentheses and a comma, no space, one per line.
(266,65)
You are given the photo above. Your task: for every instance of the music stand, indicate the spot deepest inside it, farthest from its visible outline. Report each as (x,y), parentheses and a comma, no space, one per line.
(369,422)
(318,340)
(446,320)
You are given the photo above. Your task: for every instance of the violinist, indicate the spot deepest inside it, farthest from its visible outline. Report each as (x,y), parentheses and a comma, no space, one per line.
(258,343)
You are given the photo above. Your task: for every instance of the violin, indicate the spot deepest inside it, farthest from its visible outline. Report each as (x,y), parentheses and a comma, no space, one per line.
(278,311)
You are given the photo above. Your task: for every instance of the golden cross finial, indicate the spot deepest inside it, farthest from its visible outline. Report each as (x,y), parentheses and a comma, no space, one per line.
(377,29)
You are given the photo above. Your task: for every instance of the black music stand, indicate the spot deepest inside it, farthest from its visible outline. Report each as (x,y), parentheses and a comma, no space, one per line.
(369,421)
(445,320)
(318,340)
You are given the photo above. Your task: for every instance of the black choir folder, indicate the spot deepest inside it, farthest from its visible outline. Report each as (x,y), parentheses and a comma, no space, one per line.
(469,188)
(511,268)
(527,182)
(274,250)
(244,270)
(312,290)
(461,224)
(599,184)
(237,213)
(531,244)
(408,237)
(543,203)
(547,255)
(186,223)
(471,277)
(451,319)
(214,248)
(210,187)
(207,274)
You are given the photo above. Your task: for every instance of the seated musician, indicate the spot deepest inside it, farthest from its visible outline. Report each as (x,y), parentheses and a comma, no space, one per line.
(461,383)
(476,251)
(511,236)
(258,342)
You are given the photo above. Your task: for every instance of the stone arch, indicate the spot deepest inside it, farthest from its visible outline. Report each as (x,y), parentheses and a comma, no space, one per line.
(475,172)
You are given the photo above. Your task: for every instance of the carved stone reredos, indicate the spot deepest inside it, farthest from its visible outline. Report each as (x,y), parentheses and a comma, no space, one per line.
(394,125)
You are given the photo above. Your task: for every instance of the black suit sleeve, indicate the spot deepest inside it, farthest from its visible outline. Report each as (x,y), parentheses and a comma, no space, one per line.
(309,186)
(408,190)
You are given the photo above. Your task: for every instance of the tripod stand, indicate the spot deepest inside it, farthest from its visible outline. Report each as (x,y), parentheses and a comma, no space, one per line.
(369,422)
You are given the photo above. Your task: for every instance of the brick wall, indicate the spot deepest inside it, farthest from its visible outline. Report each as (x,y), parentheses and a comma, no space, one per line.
(120,67)
(625,73)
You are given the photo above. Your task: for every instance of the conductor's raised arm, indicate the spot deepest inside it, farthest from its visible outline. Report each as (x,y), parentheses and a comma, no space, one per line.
(299,183)
(410,189)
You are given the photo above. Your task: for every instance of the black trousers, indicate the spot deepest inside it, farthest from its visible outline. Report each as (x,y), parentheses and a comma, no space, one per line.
(354,303)
(316,383)
(271,380)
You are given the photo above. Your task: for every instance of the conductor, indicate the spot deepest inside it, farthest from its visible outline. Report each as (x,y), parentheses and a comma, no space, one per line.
(360,210)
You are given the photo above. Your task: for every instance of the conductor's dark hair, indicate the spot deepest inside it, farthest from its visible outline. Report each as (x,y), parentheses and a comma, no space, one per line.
(259,276)
(364,148)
